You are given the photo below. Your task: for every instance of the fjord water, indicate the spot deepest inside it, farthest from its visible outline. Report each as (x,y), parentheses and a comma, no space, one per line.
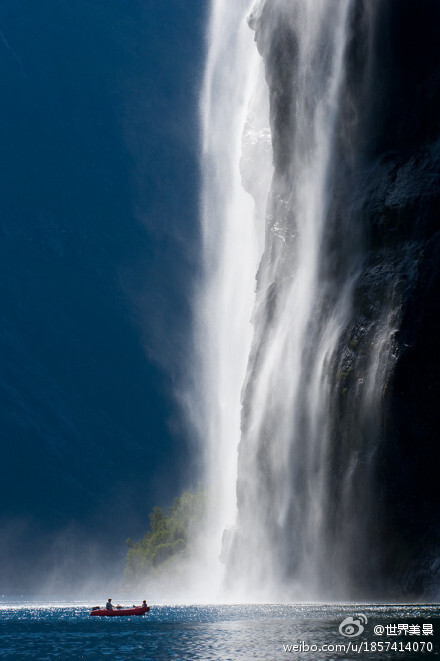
(57,630)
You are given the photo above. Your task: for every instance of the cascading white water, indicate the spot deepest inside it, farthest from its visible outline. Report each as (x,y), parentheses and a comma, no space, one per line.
(287,392)
(301,417)
(234,115)
(285,379)
(235,101)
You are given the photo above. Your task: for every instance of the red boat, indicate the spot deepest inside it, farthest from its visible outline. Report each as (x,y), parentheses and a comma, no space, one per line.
(111,612)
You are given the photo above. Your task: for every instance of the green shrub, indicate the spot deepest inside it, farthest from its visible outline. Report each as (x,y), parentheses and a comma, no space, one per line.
(171,537)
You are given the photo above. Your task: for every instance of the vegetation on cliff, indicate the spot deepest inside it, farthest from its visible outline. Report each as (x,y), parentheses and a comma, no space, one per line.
(172,537)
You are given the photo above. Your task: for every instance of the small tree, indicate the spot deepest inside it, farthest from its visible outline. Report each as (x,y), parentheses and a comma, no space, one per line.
(170,539)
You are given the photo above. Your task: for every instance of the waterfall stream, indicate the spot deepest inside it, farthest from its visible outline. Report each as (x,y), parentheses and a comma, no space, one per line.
(286,401)
(234,116)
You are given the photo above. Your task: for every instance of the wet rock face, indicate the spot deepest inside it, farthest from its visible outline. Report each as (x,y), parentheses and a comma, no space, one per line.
(398,139)
(385,204)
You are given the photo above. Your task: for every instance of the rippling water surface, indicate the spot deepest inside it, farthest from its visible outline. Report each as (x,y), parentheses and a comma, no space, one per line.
(55,630)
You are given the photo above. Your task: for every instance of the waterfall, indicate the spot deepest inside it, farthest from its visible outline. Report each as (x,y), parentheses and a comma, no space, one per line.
(236,161)
(290,405)
(299,317)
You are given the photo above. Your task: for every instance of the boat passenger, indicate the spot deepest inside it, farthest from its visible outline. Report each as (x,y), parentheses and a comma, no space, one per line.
(144,604)
(109,605)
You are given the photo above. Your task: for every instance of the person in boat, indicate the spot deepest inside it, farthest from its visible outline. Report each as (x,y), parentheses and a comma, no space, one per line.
(109,605)
(144,604)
